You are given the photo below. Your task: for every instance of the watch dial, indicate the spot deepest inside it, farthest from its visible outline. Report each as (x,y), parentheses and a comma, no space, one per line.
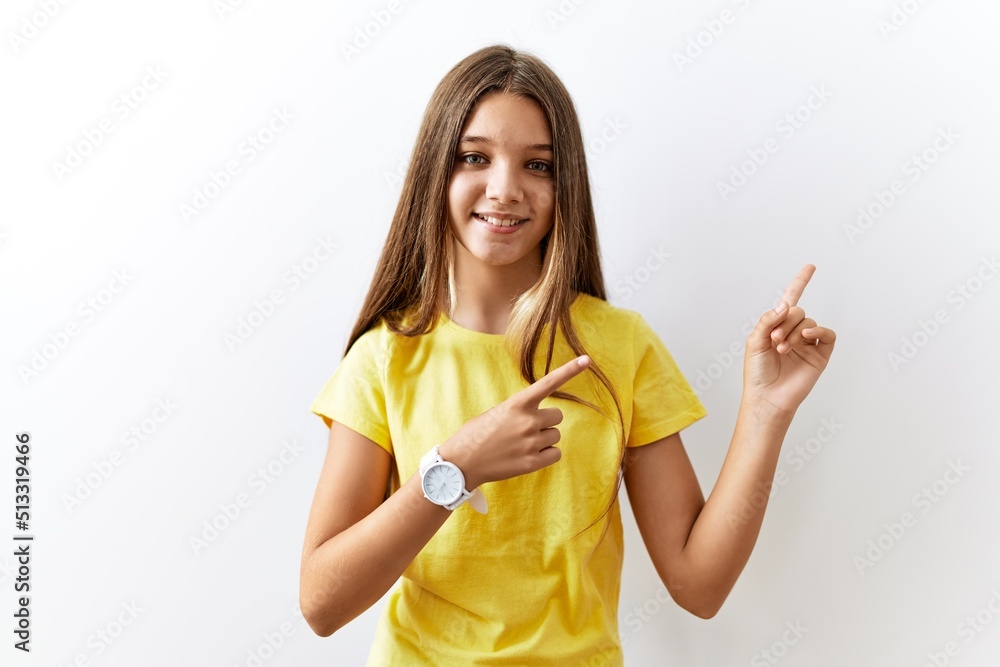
(442,484)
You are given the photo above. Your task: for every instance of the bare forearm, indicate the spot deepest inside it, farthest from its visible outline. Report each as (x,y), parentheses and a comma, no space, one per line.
(725,532)
(348,573)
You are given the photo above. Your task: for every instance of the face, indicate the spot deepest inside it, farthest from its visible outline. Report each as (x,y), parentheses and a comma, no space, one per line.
(502,175)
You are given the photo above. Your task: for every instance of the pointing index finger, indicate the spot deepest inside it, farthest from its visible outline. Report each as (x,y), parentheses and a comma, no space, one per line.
(798,285)
(544,386)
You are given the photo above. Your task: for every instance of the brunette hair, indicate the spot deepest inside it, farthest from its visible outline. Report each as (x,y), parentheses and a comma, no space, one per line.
(414,279)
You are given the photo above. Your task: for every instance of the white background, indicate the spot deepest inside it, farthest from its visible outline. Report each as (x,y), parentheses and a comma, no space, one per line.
(331,173)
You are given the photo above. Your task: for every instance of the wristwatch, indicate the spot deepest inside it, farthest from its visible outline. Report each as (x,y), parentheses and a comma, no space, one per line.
(444,484)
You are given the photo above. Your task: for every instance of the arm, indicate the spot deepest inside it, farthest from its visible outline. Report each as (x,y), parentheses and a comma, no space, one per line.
(357,546)
(700,548)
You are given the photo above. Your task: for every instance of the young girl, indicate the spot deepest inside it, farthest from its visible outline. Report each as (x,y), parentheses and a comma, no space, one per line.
(490,402)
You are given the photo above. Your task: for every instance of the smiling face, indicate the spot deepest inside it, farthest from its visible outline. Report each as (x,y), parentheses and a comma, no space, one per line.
(501,197)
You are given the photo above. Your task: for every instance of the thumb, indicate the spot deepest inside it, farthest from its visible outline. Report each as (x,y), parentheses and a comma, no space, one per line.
(760,338)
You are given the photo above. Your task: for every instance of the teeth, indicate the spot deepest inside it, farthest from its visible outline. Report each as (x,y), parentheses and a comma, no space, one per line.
(497,222)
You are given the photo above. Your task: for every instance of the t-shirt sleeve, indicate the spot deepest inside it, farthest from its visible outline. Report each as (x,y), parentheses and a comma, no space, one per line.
(663,402)
(355,395)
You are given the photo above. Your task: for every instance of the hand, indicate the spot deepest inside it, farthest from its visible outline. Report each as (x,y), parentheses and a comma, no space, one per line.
(515,437)
(786,351)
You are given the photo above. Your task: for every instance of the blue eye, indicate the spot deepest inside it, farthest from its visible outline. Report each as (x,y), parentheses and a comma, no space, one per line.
(545,167)
(465,158)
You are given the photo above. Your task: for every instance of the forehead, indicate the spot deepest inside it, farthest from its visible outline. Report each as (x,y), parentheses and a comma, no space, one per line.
(502,118)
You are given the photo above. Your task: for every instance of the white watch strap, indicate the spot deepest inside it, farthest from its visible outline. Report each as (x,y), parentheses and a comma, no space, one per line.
(478,501)
(429,459)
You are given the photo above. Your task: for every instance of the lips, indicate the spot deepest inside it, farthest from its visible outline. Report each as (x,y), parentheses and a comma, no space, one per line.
(499,222)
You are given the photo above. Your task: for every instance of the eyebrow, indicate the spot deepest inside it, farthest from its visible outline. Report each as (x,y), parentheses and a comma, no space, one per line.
(472,139)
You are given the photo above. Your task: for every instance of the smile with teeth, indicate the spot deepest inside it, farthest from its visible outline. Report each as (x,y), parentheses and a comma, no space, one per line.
(496,222)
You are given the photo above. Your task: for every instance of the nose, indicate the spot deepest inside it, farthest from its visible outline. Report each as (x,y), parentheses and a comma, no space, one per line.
(504,183)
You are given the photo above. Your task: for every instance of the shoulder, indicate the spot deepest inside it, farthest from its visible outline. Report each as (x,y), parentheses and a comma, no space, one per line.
(616,336)
(371,349)
(605,319)
(624,335)
(383,344)
(372,339)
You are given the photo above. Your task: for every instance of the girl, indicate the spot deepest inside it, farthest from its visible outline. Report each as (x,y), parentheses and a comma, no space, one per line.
(490,403)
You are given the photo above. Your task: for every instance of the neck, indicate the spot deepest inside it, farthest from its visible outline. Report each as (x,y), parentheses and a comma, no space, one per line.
(485,294)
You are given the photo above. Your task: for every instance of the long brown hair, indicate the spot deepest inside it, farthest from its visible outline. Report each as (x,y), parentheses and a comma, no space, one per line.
(413,282)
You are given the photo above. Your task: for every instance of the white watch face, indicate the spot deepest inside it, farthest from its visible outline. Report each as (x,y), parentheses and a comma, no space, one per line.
(443,483)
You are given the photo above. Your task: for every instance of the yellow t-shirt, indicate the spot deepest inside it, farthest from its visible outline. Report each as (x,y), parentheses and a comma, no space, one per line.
(510,587)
